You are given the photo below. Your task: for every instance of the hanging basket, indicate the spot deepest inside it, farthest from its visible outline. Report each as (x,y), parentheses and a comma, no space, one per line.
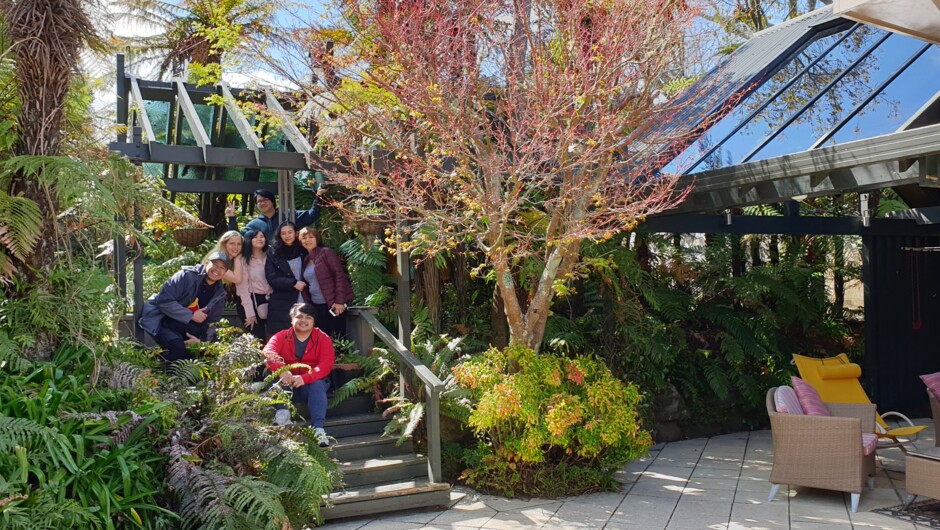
(191,237)
(370,226)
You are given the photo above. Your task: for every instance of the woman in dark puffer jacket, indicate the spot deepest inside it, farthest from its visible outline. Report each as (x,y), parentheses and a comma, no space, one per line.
(328,287)
(283,269)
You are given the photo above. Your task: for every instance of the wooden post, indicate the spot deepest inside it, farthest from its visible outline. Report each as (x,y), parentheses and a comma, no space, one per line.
(433,416)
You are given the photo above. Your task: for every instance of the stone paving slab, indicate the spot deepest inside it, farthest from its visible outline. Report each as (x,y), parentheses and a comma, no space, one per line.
(718,483)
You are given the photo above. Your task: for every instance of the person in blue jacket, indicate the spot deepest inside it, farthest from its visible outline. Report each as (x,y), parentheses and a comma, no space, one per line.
(186,305)
(267,221)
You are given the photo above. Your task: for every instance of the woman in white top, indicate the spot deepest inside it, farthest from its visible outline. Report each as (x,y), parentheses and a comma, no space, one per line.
(254,289)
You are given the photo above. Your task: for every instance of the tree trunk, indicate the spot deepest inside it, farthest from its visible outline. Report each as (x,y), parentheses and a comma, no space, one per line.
(838,276)
(47,36)
(737,255)
(431,292)
(498,322)
(461,284)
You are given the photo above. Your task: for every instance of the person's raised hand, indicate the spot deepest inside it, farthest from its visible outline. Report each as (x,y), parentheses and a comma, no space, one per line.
(200,316)
(230,209)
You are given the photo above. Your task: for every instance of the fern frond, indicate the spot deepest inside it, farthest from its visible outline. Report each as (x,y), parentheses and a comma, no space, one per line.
(23,432)
(188,371)
(717,379)
(256,503)
(20,225)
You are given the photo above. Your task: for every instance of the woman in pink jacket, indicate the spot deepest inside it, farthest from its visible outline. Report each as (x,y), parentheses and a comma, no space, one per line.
(303,343)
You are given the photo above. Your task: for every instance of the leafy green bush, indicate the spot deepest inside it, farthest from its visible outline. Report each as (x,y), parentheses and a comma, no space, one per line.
(69,463)
(228,467)
(548,425)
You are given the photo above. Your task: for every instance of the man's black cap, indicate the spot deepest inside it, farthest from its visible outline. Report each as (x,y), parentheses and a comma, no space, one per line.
(267,194)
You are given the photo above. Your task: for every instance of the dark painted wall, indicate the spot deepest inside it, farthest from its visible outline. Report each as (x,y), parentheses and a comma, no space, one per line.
(897,348)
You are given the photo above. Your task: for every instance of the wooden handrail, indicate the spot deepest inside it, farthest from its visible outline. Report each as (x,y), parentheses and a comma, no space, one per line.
(433,385)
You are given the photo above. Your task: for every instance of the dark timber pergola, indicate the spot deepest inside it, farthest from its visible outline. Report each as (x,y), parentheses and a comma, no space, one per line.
(220,137)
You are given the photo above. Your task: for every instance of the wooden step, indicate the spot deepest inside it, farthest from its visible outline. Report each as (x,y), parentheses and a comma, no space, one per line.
(367,446)
(388,497)
(355,425)
(358,404)
(384,469)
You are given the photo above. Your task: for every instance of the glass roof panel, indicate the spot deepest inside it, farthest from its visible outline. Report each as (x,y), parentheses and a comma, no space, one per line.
(894,105)
(829,110)
(750,103)
(792,100)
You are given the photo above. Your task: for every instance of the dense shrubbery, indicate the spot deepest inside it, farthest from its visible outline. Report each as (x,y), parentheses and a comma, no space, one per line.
(716,324)
(548,425)
(95,439)
(68,459)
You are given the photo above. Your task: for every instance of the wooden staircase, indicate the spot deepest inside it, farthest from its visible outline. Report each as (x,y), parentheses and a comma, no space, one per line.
(379,476)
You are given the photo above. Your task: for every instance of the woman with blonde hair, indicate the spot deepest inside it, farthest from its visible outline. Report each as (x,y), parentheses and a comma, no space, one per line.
(231,244)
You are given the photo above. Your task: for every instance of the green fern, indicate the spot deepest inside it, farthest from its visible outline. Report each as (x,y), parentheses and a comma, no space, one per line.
(188,371)
(717,379)
(20,225)
(254,504)
(366,269)
(23,432)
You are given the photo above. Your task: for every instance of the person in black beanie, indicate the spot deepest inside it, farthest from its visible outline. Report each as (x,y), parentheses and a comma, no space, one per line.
(267,220)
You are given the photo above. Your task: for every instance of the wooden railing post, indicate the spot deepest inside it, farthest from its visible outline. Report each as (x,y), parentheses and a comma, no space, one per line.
(358,329)
(433,418)
(432,384)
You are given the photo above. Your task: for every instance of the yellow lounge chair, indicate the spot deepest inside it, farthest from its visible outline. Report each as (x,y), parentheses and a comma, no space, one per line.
(836,380)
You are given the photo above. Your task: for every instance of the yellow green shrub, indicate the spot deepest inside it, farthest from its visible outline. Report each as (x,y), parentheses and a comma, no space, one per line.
(533,412)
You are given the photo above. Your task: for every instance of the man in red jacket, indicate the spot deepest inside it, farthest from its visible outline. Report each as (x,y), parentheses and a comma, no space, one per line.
(303,343)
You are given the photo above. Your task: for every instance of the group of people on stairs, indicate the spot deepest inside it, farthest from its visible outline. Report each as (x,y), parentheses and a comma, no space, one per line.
(291,292)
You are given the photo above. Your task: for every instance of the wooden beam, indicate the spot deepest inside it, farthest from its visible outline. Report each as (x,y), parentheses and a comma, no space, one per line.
(795,169)
(696,223)
(753,192)
(293,134)
(141,110)
(192,118)
(241,123)
(216,186)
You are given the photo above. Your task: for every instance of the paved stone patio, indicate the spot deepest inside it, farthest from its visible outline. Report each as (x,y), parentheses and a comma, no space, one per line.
(717,483)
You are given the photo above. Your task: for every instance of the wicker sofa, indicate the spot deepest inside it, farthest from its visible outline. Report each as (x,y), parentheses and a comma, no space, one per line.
(822,451)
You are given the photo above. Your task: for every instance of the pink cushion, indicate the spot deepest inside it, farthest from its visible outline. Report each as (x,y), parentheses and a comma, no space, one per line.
(810,401)
(933,384)
(786,402)
(869,443)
